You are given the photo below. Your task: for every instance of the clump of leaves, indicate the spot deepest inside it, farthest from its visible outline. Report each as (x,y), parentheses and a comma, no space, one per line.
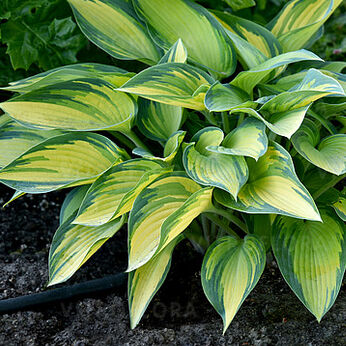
(239,163)
(40,32)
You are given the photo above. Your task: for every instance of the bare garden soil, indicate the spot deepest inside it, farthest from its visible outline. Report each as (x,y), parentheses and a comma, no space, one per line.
(178,315)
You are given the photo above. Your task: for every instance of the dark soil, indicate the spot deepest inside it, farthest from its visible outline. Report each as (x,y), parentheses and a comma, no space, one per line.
(178,315)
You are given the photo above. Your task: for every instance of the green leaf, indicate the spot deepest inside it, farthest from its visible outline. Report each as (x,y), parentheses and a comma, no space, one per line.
(114,192)
(248,139)
(159,121)
(72,202)
(299,20)
(284,123)
(340,206)
(177,53)
(33,34)
(311,257)
(237,5)
(161,212)
(114,27)
(65,160)
(314,86)
(78,105)
(272,188)
(253,42)
(231,269)
(224,97)
(73,245)
(284,113)
(169,20)
(208,168)
(144,282)
(247,80)
(16,139)
(174,84)
(330,154)
(170,150)
(260,225)
(114,75)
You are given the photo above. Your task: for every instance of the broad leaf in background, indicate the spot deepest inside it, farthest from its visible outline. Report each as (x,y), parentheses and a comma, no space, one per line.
(169,20)
(330,154)
(237,5)
(114,27)
(231,269)
(16,139)
(114,192)
(247,80)
(161,212)
(227,172)
(174,84)
(311,257)
(144,282)
(272,188)
(224,97)
(159,121)
(73,245)
(111,74)
(66,160)
(40,31)
(248,139)
(77,105)
(299,20)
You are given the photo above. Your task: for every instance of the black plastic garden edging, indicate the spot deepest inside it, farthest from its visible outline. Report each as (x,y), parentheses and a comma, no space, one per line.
(64,293)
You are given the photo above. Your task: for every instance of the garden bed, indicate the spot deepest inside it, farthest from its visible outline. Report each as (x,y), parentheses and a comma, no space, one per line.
(179,314)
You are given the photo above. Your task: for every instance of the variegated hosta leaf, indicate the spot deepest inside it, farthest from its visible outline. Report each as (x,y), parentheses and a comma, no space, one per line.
(114,27)
(330,154)
(247,80)
(169,20)
(314,86)
(248,139)
(114,192)
(299,20)
(16,195)
(175,84)
(170,150)
(340,206)
(224,97)
(72,202)
(311,257)
(67,160)
(144,282)
(254,43)
(231,269)
(73,245)
(159,121)
(161,212)
(16,139)
(283,123)
(78,105)
(272,188)
(114,75)
(177,53)
(284,113)
(209,168)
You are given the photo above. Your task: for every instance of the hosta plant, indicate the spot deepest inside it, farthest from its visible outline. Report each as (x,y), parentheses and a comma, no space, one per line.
(231,136)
